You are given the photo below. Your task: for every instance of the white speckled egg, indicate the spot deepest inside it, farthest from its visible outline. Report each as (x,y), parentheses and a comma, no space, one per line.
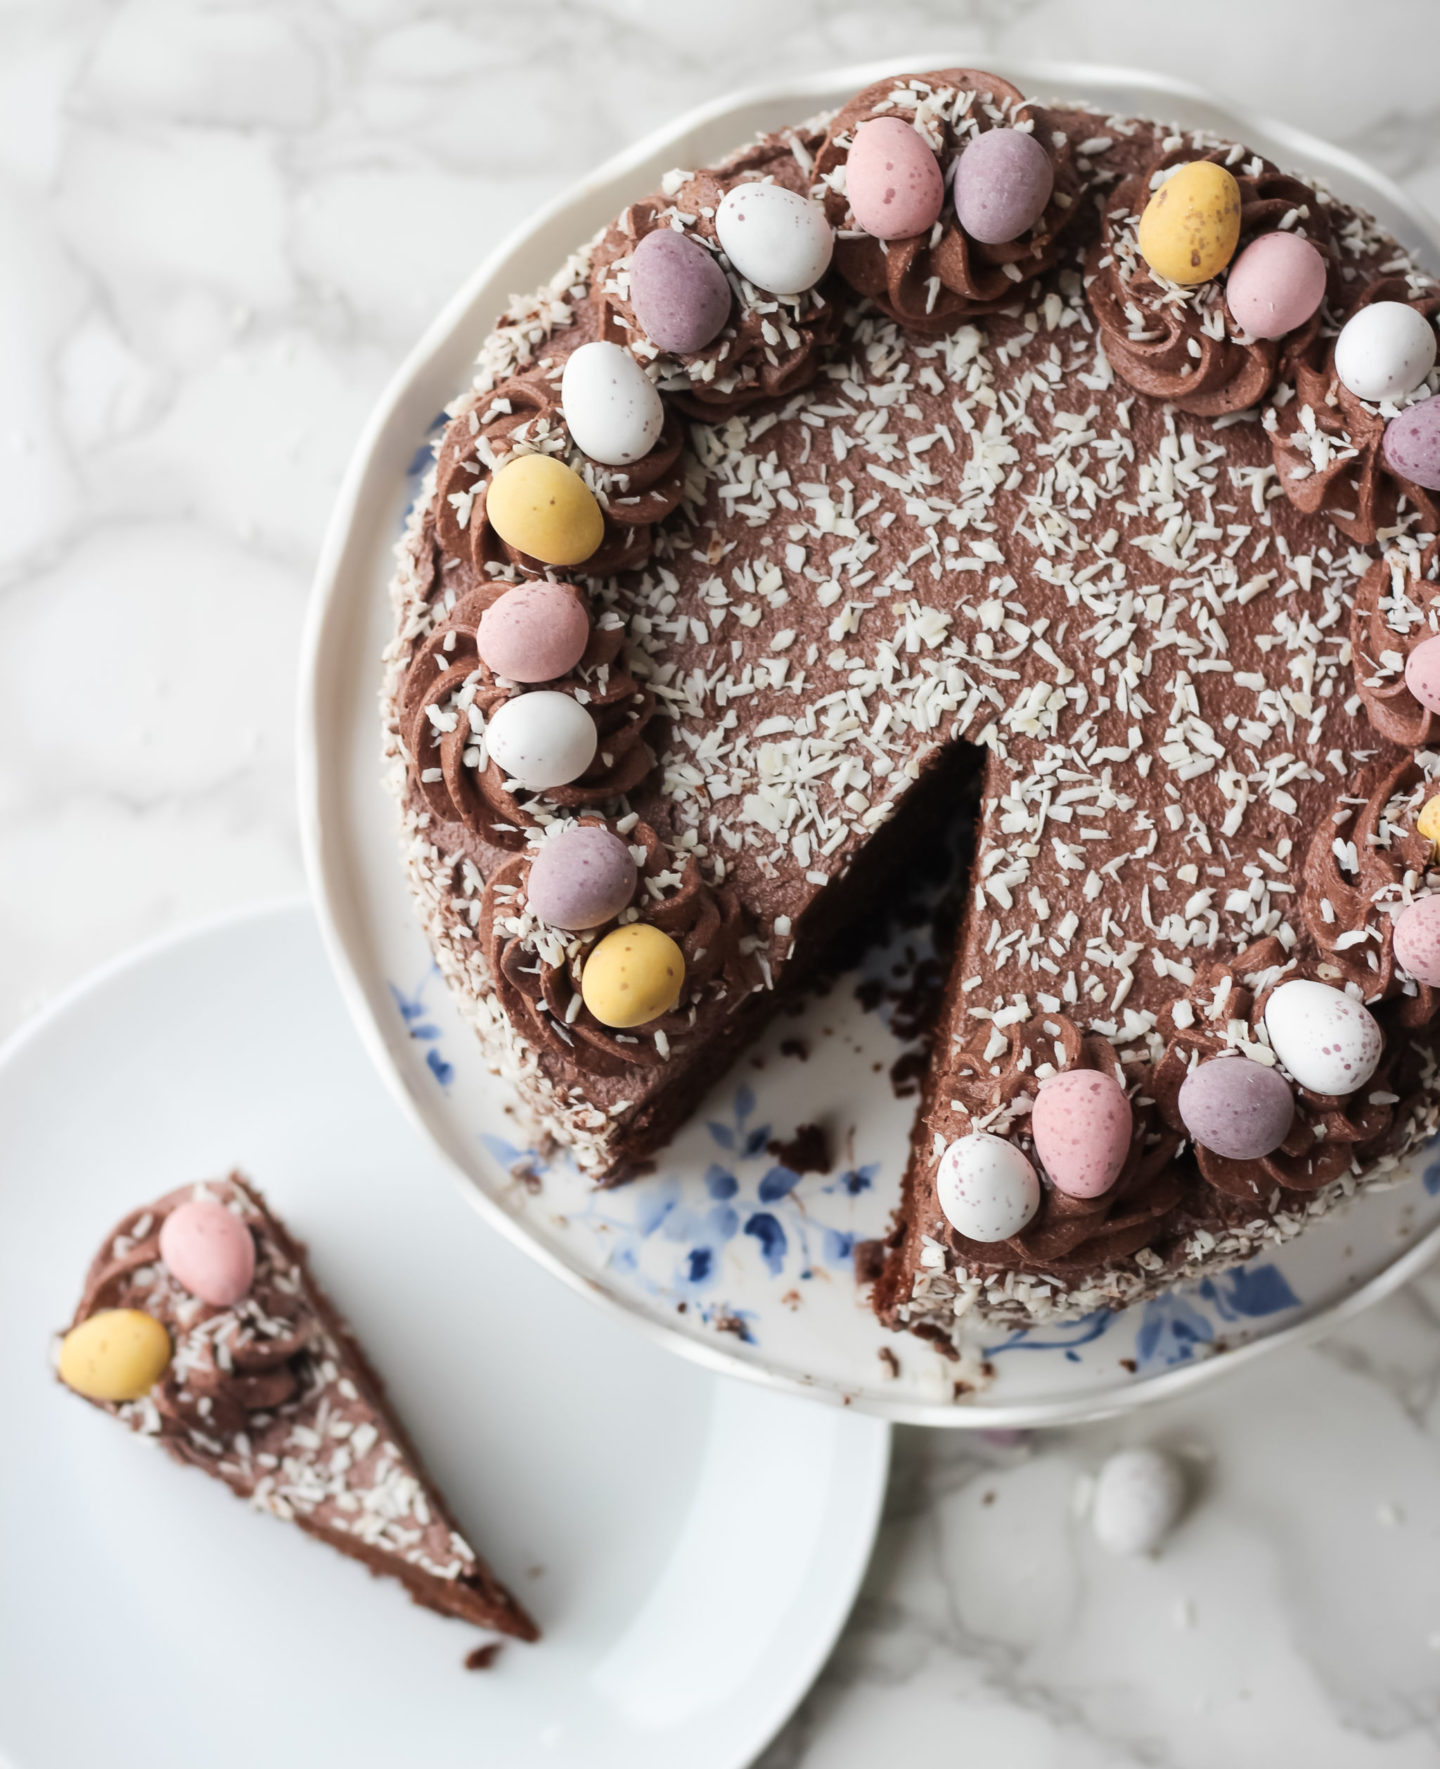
(542,739)
(610,404)
(1139,1495)
(1385,350)
(1329,1042)
(776,239)
(986,1187)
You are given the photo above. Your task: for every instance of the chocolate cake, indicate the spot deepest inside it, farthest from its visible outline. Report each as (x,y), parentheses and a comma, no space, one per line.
(1025,505)
(267,1390)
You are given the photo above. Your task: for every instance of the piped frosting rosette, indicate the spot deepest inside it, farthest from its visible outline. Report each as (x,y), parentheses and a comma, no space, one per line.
(1397,607)
(1068,1231)
(448,694)
(772,345)
(937,280)
(1362,866)
(1182,344)
(523,416)
(1326,440)
(231,1362)
(1224,1011)
(537,968)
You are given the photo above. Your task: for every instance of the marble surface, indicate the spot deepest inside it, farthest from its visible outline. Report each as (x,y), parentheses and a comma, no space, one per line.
(220,227)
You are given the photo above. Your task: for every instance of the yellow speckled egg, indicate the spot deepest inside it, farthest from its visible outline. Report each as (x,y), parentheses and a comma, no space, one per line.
(546,509)
(634,975)
(1428,822)
(118,1354)
(1191,226)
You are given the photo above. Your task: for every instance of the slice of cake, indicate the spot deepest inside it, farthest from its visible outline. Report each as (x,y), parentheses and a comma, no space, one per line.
(202,1327)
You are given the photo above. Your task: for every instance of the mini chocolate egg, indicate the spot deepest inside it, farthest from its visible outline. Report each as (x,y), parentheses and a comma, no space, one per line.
(1422,673)
(1385,350)
(893,180)
(775,238)
(1329,1042)
(208,1251)
(544,508)
(678,291)
(1191,226)
(633,975)
(1003,182)
(1417,940)
(118,1354)
(1081,1124)
(1238,1109)
(542,739)
(1139,1496)
(986,1187)
(1275,285)
(1427,823)
(581,878)
(1412,444)
(533,633)
(610,404)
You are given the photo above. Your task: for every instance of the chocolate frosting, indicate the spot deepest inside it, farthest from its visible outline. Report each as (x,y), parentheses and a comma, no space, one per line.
(773,344)
(1182,344)
(1326,440)
(1362,866)
(524,416)
(537,968)
(1397,607)
(935,281)
(449,693)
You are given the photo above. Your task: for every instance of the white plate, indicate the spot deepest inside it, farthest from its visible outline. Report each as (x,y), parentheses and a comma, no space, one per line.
(720,1256)
(701,1541)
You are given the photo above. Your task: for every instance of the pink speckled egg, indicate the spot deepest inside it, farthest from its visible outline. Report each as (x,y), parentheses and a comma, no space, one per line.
(1417,940)
(893,180)
(986,1187)
(679,292)
(1240,1110)
(1412,444)
(209,1251)
(581,878)
(1422,673)
(1081,1125)
(1003,181)
(534,633)
(1275,285)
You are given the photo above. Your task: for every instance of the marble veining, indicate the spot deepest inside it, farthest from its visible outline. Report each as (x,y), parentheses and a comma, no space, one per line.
(220,227)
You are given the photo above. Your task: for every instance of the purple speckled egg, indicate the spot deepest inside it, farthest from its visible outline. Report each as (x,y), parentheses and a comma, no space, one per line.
(1003,181)
(581,878)
(678,291)
(1238,1109)
(1422,673)
(1412,444)
(893,180)
(1417,940)
(1081,1125)
(534,633)
(208,1251)
(1275,285)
